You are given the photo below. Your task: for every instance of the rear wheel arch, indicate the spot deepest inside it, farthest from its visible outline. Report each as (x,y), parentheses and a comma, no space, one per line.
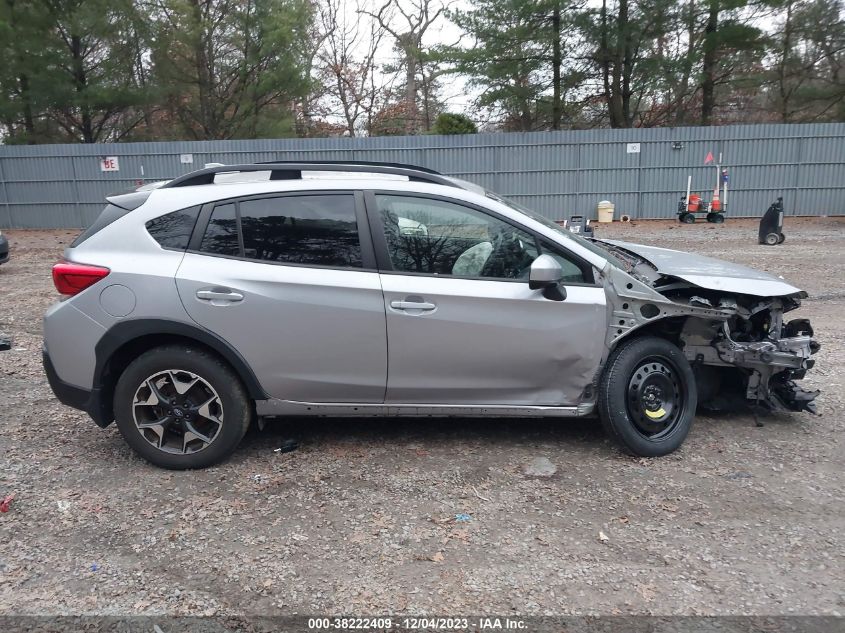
(127,340)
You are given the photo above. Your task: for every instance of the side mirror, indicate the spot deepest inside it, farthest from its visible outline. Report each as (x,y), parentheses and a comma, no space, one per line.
(545,271)
(546,274)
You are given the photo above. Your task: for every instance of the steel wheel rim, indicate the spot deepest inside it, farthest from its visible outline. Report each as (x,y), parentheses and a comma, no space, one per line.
(177,412)
(656,397)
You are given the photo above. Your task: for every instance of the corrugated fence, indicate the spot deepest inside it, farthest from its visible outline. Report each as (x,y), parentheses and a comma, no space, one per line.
(560,174)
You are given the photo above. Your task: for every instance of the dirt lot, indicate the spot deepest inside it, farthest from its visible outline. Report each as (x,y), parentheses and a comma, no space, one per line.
(361,519)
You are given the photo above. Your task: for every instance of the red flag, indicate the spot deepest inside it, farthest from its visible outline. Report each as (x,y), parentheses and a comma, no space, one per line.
(708,158)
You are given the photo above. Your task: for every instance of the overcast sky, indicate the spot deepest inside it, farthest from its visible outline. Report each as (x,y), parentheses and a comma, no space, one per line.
(453,88)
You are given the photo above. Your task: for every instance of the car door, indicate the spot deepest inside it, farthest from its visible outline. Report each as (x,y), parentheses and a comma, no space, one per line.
(290,282)
(463,326)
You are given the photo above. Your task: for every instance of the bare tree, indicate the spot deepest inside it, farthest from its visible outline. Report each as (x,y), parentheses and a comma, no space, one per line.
(347,63)
(415,17)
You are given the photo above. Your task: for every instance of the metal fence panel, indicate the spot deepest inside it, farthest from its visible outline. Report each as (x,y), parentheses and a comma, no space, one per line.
(559,174)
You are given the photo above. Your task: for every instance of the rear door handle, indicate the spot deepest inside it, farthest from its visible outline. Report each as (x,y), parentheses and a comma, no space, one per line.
(412,305)
(229,296)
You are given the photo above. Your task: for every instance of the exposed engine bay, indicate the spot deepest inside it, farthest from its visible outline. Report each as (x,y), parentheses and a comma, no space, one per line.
(737,343)
(771,354)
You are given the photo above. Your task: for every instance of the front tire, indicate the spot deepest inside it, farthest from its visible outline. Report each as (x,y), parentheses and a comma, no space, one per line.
(647,396)
(180,407)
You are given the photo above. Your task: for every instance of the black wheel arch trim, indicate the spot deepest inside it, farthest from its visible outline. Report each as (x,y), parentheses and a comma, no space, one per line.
(99,406)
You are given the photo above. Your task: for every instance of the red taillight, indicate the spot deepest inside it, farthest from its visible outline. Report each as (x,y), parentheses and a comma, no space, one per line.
(70,278)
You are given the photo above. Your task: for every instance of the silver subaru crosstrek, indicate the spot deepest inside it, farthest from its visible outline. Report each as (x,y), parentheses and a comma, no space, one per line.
(359,289)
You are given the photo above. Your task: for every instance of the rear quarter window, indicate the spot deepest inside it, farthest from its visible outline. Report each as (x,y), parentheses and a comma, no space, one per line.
(108,215)
(173,230)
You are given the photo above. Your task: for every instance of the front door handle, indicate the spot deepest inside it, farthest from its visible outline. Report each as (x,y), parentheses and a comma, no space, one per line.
(412,305)
(228,296)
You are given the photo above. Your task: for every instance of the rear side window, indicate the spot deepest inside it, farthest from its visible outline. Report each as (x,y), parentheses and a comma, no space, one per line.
(221,234)
(174,229)
(318,230)
(309,230)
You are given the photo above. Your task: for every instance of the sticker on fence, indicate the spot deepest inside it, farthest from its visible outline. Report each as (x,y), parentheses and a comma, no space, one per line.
(109,163)
(633,148)
(186,159)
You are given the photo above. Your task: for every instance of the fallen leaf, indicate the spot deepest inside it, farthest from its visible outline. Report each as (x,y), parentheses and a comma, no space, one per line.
(437,558)
(604,538)
(462,535)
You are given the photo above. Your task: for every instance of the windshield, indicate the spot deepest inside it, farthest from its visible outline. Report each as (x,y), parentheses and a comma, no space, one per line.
(590,245)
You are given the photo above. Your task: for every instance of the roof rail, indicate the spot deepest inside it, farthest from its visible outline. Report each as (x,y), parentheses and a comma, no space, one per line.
(293,171)
(364,163)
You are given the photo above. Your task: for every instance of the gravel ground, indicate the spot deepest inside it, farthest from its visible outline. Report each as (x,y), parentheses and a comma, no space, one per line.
(362,517)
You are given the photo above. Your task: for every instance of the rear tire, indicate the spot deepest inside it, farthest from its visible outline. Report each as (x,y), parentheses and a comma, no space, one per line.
(687,218)
(181,408)
(647,397)
(781,238)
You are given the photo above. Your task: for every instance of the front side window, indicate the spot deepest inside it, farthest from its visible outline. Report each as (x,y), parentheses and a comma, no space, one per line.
(444,238)
(573,272)
(590,244)
(319,230)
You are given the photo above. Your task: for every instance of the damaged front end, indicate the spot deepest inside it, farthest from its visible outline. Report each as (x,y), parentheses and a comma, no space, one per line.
(737,343)
(769,354)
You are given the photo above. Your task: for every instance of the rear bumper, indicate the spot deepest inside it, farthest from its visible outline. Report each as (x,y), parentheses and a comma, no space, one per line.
(73,396)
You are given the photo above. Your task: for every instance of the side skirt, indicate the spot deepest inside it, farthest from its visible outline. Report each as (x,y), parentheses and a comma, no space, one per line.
(274,408)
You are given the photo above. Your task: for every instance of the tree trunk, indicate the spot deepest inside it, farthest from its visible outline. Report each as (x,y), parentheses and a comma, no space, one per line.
(603,55)
(23,82)
(410,91)
(786,47)
(26,101)
(708,84)
(683,85)
(526,119)
(80,81)
(627,64)
(204,83)
(617,109)
(557,111)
